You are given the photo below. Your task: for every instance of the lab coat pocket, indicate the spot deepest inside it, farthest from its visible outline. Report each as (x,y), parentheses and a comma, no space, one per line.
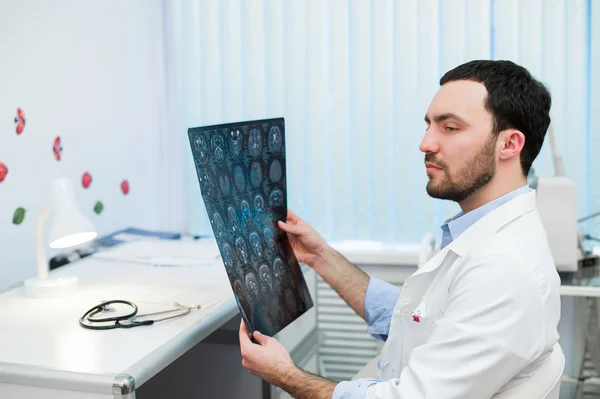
(410,330)
(415,332)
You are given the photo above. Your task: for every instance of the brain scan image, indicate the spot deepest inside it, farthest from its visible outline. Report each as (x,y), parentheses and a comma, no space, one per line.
(225,184)
(236,143)
(218,146)
(240,180)
(227,256)
(219,225)
(278,270)
(201,149)
(246,213)
(275,171)
(233,220)
(276,199)
(208,184)
(255,142)
(252,285)
(268,236)
(240,295)
(259,203)
(256,174)
(265,290)
(219,154)
(275,139)
(203,178)
(255,244)
(241,170)
(242,250)
(265,275)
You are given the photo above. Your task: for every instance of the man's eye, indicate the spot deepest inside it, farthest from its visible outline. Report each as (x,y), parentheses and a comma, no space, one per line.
(451,129)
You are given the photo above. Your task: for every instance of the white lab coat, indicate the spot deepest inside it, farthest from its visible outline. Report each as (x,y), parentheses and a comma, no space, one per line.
(480,316)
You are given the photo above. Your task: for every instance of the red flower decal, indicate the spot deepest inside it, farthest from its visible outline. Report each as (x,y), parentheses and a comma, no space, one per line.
(3,172)
(20,120)
(86,180)
(57,148)
(125,187)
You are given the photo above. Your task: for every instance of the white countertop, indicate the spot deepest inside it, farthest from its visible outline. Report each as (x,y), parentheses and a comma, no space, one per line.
(42,337)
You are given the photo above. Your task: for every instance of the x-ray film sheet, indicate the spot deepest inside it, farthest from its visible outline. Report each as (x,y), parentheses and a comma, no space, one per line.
(242,174)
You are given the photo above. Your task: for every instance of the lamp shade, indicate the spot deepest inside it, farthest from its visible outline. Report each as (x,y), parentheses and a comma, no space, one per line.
(69,227)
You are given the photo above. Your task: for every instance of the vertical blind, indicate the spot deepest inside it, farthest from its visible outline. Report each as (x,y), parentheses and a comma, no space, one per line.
(353,80)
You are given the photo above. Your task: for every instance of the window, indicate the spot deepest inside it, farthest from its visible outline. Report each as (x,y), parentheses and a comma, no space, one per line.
(353,80)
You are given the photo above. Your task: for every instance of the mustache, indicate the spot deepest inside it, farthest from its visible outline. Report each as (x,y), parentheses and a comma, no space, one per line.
(431,159)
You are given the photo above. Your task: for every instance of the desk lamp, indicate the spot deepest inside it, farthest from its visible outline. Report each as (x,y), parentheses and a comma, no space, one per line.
(69,228)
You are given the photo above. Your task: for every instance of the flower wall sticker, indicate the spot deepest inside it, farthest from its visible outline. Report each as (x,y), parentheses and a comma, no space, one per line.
(20,121)
(86,180)
(99,207)
(18,216)
(20,213)
(125,187)
(3,172)
(57,148)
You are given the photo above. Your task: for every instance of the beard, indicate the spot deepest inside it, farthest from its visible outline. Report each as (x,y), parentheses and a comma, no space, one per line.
(472,177)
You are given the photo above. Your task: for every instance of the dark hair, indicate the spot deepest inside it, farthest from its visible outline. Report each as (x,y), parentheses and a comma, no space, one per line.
(515,99)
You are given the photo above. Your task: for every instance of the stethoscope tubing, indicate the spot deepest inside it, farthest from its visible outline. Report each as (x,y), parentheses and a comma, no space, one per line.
(89,316)
(126,320)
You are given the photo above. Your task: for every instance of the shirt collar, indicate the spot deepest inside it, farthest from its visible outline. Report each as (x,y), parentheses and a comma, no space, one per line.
(459,223)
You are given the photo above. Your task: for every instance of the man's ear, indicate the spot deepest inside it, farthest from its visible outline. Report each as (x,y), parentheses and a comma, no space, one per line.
(511,142)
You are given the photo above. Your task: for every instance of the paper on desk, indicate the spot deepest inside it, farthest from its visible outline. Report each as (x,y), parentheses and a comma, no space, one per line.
(135,237)
(164,252)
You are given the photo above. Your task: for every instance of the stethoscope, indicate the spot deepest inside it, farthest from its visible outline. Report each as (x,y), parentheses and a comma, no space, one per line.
(128,320)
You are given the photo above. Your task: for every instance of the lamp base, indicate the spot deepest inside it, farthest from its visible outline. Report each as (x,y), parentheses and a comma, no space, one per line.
(50,287)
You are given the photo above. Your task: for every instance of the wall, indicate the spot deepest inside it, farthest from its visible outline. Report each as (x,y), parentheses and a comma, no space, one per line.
(91,73)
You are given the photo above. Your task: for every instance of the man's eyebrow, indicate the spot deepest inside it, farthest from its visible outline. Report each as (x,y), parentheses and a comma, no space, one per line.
(443,117)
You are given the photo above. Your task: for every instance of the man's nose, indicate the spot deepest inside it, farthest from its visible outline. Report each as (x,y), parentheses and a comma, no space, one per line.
(429,143)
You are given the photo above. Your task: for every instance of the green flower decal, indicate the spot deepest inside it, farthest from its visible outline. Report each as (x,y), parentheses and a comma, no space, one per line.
(98,207)
(18,216)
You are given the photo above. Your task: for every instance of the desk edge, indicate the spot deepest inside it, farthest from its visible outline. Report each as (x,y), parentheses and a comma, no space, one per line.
(20,374)
(579,290)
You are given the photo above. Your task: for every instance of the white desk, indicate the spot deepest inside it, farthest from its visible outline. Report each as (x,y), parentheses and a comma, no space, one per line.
(590,287)
(579,291)
(45,353)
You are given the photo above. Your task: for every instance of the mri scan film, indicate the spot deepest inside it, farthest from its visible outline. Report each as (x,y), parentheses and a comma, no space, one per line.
(242,175)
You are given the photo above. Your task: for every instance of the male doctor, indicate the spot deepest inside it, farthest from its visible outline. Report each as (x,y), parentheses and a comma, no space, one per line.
(480,316)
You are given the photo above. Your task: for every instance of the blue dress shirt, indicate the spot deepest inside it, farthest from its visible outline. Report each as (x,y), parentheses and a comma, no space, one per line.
(381,297)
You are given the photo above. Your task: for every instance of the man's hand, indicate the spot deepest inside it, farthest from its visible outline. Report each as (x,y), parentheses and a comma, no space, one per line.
(268,359)
(309,247)
(346,279)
